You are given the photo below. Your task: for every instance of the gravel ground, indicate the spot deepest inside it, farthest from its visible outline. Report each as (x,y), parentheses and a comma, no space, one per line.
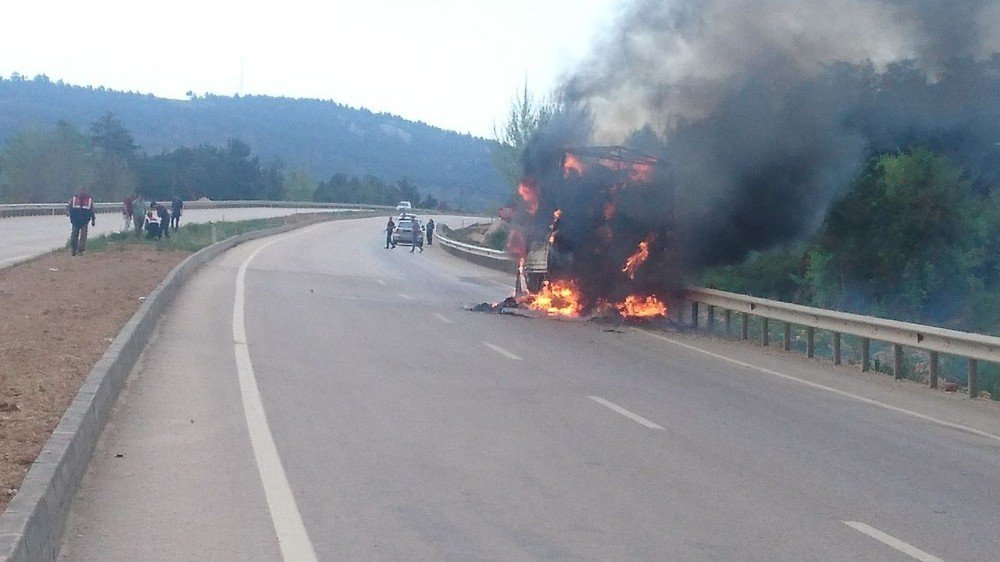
(57,316)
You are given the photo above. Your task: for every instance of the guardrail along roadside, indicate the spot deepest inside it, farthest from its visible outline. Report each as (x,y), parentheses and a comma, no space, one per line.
(704,306)
(43,209)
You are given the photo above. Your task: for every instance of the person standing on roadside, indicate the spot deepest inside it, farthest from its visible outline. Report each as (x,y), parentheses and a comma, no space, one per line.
(127,211)
(164,216)
(81,212)
(416,236)
(175,212)
(388,234)
(430,232)
(138,215)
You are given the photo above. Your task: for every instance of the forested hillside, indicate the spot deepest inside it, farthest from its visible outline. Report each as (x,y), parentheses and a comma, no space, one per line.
(321,138)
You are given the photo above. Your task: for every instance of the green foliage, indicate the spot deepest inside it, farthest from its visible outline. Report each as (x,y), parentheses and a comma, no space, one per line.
(527,115)
(497,239)
(909,240)
(775,274)
(370,190)
(229,173)
(299,186)
(319,136)
(46,165)
(900,238)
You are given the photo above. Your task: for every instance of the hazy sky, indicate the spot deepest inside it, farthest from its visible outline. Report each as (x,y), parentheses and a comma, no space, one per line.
(452,64)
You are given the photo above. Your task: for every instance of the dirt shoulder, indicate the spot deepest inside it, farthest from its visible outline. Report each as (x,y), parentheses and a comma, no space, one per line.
(57,316)
(59,313)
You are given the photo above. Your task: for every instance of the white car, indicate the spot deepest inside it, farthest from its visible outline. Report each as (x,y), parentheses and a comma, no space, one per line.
(404,206)
(403,233)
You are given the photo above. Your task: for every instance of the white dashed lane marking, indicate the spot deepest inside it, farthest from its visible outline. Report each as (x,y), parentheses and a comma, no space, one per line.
(628,414)
(884,538)
(443,318)
(502,351)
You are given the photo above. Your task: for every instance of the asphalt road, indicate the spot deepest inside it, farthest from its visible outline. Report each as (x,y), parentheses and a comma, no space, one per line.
(22,238)
(317,395)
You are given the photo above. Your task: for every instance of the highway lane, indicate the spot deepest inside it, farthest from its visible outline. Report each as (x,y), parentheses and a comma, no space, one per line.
(22,238)
(410,428)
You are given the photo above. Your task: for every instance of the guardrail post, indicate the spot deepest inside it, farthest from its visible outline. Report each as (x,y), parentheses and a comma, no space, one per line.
(787,340)
(711,318)
(836,348)
(973,378)
(746,327)
(897,361)
(729,323)
(765,336)
(934,369)
(810,342)
(694,314)
(866,354)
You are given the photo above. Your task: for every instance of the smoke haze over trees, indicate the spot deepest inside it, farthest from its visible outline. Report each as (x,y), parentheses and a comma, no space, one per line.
(767,110)
(44,165)
(768,115)
(314,137)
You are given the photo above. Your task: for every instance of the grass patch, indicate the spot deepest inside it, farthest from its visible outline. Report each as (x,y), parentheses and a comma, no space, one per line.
(195,236)
(189,238)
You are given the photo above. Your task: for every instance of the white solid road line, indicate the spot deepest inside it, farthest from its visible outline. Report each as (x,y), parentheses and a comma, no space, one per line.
(502,351)
(292,536)
(443,318)
(16,258)
(405,297)
(844,393)
(892,541)
(630,415)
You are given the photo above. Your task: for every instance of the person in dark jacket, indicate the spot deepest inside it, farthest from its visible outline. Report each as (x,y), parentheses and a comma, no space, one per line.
(81,212)
(164,216)
(430,232)
(388,234)
(175,212)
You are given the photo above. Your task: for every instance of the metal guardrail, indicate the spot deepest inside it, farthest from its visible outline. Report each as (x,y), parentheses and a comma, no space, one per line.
(42,209)
(974,347)
(472,249)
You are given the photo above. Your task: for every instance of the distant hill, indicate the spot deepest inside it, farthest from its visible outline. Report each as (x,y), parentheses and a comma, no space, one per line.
(322,137)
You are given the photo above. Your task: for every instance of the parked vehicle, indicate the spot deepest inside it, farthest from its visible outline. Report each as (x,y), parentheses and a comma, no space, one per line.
(403,206)
(403,233)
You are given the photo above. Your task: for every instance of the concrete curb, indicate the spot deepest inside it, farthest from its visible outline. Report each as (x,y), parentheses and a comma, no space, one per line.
(31,527)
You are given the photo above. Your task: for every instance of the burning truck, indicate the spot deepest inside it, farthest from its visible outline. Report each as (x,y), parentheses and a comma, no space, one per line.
(590,234)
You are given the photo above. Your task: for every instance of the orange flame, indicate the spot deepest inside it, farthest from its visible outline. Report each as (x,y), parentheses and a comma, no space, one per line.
(557,298)
(572,164)
(638,307)
(640,172)
(526,189)
(636,260)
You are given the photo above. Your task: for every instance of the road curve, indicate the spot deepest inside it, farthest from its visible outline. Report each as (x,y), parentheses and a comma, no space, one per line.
(26,237)
(349,403)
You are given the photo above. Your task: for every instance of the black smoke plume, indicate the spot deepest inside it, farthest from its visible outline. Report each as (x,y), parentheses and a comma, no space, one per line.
(760,114)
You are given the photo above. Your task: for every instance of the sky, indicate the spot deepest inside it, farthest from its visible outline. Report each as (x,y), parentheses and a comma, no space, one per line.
(452,64)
